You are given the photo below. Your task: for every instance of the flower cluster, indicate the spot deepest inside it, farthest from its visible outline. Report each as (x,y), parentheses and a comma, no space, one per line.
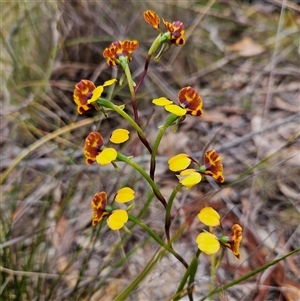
(209,243)
(116,218)
(189,101)
(190,177)
(188,170)
(94,149)
(175,30)
(85,93)
(120,50)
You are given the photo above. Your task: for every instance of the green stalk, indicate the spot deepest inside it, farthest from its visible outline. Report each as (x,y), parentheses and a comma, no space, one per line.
(126,69)
(189,274)
(168,211)
(193,269)
(138,168)
(250,274)
(170,120)
(129,289)
(212,274)
(157,239)
(123,295)
(125,66)
(108,104)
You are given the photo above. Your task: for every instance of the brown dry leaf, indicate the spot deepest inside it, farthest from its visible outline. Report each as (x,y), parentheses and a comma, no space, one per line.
(215,116)
(246,47)
(227,192)
(288,191)
(294,156)
(290,290)
(291,260)
(60,232)
(109,292)
(72,274)
(178,142)
(284,105)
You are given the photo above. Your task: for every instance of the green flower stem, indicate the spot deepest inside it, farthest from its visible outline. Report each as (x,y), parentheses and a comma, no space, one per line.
(161,38)
(157,239)
(132,286)
(126,69)
(168,210)
(250,274)
(189,274)
(157,256)
(138,168)
(170,120)
(193,269)
(212,274)
(108,104)
(125,66)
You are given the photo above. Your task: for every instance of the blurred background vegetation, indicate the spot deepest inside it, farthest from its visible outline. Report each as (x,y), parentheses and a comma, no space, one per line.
(244,61)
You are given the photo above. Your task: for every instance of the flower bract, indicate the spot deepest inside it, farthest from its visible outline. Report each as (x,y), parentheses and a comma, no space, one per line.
(117,219)
(124,195)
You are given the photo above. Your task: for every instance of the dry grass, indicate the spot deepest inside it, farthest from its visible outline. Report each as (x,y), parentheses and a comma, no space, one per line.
(243,59)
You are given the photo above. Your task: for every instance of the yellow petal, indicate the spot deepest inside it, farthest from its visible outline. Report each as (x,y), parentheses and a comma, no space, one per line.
(125,194)
(209,216)
(117,219)
(162,101)
(109,82)
(106,156)
(187,172)
(175,109)
(208,243)
(179,162)
(190,178)
(119,136)
(96,94)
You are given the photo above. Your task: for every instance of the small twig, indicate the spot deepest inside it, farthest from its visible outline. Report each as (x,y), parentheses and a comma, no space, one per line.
(32,274)
(252,134)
